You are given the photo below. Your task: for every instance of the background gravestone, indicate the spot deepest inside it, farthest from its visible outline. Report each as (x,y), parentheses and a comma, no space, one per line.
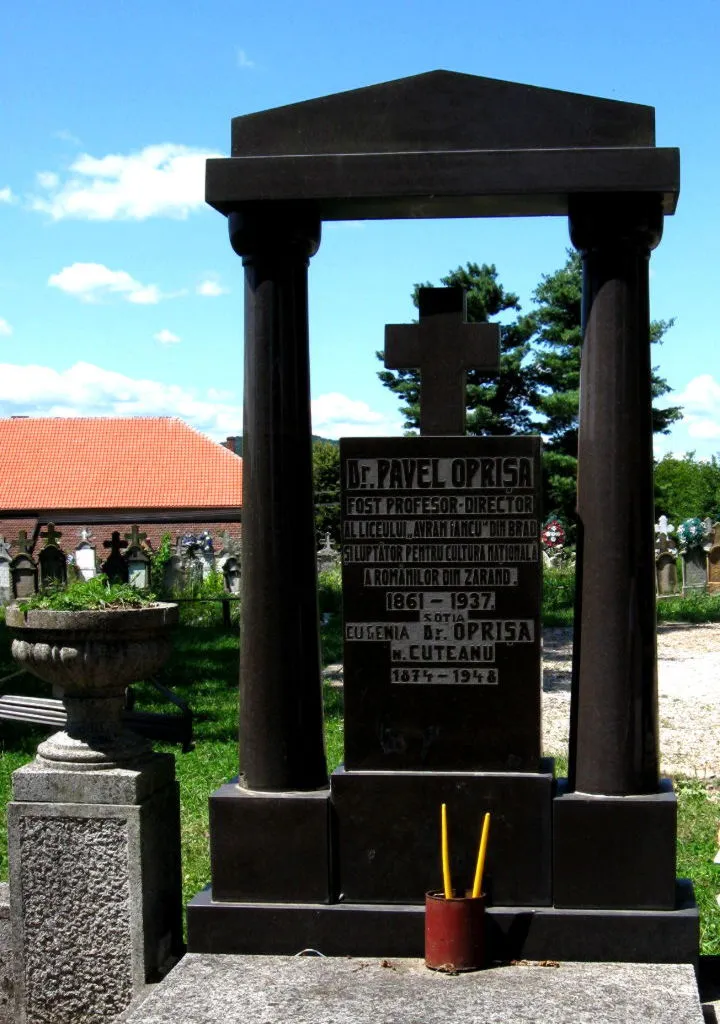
(328,557)
(694,536)
(86,557)
(665,558)
(713,585)
(23,570)
(5,576)
(193,568)
(52,560)
(173,576)
(232,574)
(115,566)
(137,560)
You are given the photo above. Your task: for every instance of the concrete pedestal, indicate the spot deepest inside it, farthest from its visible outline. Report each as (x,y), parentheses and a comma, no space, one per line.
(95,887)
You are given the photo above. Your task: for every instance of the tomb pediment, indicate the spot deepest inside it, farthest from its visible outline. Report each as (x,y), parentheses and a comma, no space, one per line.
(443,144)
(442,111)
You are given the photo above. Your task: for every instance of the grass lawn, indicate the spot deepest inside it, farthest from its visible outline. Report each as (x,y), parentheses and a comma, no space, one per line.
(204,670)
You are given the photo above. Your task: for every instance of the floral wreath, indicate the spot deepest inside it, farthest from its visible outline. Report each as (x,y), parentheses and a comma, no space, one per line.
(552,535)
(693,534)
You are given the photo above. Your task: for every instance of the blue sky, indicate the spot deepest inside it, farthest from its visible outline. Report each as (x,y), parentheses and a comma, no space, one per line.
(119,293)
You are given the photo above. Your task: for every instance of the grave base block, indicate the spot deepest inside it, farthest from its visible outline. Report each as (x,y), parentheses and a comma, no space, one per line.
(388,833)
(513,933)
(613,852)
(95,887)
(270,846)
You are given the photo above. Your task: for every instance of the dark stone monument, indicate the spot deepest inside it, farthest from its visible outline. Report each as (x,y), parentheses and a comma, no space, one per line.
(115,566)
(298,864)
(441,598)
(52,561)
(23,570)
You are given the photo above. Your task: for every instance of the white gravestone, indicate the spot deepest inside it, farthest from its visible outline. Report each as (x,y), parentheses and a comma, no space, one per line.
(5,577)
(85,560)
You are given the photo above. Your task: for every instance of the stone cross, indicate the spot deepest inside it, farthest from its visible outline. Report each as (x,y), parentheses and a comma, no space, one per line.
(4,547)
(443,347)
(22,542)
(115,544)
(663,543)
(85,535)
(52,536)
(135,537)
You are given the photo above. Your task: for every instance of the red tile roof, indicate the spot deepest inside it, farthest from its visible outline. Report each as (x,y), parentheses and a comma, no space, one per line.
(146,463)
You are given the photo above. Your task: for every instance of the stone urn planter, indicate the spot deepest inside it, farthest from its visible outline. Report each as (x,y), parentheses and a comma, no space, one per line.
(90,657)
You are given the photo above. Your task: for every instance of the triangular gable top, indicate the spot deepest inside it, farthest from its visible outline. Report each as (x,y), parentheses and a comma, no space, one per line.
(443,111)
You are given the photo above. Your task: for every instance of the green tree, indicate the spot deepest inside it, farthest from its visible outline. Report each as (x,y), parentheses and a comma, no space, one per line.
(557,342)
(686,488)
(537,388)
(326,484)
(497,406)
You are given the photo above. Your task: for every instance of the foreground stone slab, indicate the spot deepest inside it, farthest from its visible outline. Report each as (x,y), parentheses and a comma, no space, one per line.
(205,989)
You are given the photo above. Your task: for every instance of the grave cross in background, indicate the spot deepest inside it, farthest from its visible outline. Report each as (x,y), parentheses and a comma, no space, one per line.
(52,536)
(135,537)
(23,545)
(443,347)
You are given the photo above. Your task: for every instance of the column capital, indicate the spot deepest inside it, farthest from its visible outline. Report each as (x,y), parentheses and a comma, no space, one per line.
(264,228)
(601,222)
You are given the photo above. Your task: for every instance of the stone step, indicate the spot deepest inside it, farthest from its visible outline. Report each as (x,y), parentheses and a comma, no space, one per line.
(228,989)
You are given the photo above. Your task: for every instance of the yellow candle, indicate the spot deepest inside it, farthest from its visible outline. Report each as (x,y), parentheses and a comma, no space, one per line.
(480,866)
(447,883)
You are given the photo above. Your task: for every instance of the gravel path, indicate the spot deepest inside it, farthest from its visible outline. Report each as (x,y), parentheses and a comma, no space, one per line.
(689,696)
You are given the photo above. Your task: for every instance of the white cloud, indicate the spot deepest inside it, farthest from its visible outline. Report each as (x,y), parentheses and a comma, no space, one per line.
(166,337)
(47,179)
(243,61)
(6,195)
(88,390)
(701,405)
(92,282)
(65,136)
(336,415)
(701,393)
(165,180)
(5,328)
(211,288)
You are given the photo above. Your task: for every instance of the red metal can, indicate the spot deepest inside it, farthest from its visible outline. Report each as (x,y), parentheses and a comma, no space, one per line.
(454,932)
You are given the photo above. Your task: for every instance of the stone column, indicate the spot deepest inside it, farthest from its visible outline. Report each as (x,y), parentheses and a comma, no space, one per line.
(614,747)
(281,733)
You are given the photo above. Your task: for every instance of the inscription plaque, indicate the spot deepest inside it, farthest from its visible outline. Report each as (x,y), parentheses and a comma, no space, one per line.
(441,598)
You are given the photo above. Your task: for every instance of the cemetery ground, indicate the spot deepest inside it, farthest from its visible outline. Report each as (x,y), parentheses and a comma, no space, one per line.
(203,670)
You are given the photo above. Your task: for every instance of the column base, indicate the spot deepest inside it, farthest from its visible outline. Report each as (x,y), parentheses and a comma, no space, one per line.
(513,933)
(95,887)
(270,846)
(615,852)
